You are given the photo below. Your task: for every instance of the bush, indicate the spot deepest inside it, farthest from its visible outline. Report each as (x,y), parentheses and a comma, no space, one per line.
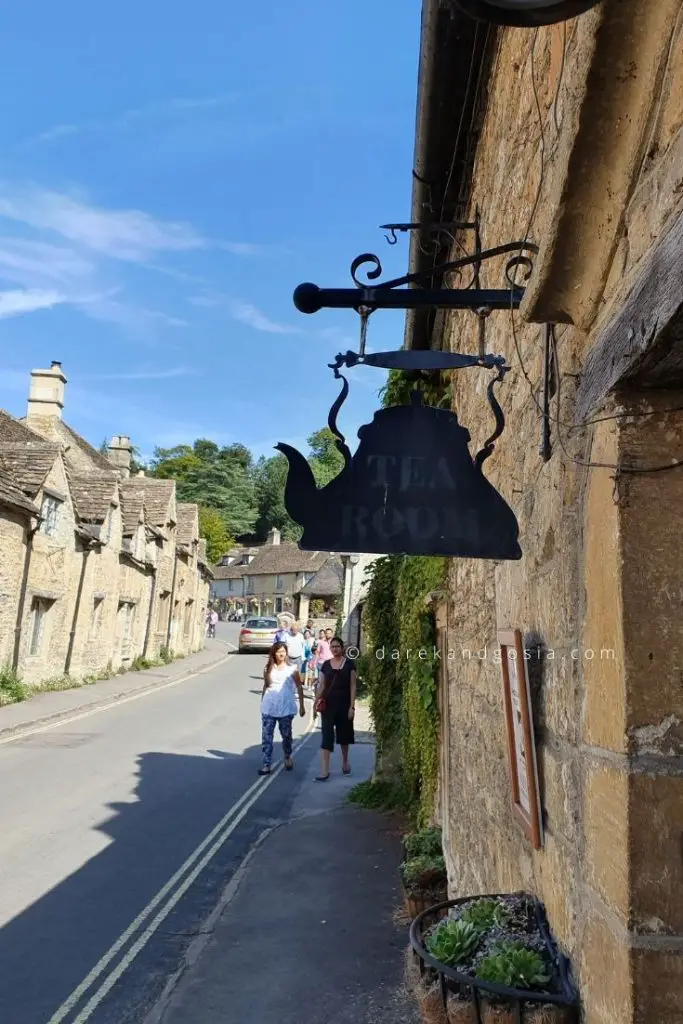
(423,871)
(165,655)
(427,841)
(12,688)
(382,795)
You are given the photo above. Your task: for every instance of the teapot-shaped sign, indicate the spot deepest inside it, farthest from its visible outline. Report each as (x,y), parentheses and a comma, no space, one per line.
(412,487)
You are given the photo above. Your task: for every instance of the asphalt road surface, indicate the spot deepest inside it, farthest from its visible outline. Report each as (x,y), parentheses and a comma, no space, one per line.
(119,832)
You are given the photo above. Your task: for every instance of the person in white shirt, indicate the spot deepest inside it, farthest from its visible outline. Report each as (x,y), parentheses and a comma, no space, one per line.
(295,646)
(281,683)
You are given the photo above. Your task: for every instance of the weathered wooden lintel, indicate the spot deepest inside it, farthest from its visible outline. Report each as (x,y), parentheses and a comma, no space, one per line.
(643,344)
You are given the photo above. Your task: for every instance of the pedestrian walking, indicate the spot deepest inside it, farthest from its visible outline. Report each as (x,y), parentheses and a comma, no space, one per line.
(295,646)
(336,704)
(307,665)
(281,684)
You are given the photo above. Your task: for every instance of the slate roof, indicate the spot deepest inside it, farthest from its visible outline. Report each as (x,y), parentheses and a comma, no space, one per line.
(328,581)
(93,495)
(28,463)
(70,436)
(157,495)
(11,495)
(132,505)
(283,558)
(187,519)
(229,572)
(12,429)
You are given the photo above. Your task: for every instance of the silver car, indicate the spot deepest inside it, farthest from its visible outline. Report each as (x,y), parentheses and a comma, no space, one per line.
(257,634)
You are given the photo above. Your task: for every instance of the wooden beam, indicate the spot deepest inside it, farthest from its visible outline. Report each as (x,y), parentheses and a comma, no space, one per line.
(643,343)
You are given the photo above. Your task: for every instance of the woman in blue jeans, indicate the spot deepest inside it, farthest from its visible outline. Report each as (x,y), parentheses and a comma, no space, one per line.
(281,684)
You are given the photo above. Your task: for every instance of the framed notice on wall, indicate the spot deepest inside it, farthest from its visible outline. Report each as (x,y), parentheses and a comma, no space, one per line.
(526,797)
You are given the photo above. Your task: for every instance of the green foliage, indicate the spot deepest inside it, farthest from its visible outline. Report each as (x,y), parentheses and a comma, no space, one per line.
(423,869)
(165,655)
(435,389)
(485,914)
(270,478)
(12,688)
(427,841)
(326,461)
(380,619)
(212,527)
(382,795)
(453,942)
(513,965)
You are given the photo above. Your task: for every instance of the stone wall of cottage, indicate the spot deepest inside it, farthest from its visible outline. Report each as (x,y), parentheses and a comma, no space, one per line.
(598,588)
(13,532)
(51,588)
(99,603)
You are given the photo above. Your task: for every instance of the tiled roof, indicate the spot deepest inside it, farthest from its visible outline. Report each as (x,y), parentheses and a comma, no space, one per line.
(328,581)
(157,495)
(71,437)
(132,507)
(188,515)
(28,463)
(12,429)
(92,495)
(229,572)
(282,558)
(11,495)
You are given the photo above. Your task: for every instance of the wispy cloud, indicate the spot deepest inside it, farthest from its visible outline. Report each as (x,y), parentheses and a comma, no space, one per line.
(247,314)
(127,118)
(16,302)
(169,374)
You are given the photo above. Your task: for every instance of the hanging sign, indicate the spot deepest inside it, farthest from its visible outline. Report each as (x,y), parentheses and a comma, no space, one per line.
(525,13)
(412,487)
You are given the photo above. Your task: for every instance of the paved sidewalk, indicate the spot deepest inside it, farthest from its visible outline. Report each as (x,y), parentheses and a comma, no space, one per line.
(305,933)
(44,708)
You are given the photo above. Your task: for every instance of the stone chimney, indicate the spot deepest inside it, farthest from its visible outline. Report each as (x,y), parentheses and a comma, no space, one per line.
(46,394)
(120,451)
(274,536)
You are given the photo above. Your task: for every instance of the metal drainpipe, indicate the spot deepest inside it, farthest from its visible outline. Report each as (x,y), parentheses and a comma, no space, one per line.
(148,630)
(77,607)
(22,595)
(170,611)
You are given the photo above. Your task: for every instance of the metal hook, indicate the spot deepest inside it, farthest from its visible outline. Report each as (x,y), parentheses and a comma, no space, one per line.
(392,239)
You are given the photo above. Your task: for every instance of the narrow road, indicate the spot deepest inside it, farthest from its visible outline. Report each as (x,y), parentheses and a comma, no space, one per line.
(119,832)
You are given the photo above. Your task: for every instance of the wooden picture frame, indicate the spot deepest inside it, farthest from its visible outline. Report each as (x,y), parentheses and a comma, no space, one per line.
(526,795)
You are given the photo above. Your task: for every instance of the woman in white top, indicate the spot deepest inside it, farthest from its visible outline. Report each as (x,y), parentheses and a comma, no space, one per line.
(281,684)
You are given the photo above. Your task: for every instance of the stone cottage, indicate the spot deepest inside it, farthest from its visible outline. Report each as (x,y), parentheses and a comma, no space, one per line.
(275,577)
(570,137)
(89,556)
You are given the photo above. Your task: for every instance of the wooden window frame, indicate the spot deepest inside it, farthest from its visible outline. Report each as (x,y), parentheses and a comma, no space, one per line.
(529,818)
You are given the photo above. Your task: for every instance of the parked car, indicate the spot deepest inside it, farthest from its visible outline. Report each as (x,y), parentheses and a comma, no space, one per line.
(257,634)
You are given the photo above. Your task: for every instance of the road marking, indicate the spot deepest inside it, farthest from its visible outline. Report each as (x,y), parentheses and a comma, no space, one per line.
(115,703)
(217,837)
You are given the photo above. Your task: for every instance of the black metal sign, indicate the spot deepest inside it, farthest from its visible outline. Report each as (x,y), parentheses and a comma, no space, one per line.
(412,486)
(525,13)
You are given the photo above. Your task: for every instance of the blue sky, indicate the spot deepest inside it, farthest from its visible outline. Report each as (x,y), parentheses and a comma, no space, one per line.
(169,174)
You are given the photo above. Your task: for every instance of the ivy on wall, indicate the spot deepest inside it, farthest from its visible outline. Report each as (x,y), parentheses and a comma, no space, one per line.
(402,681)
(435,388)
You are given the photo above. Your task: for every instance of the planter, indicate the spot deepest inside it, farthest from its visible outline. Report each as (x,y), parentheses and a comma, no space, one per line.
(416,902)
(514,935)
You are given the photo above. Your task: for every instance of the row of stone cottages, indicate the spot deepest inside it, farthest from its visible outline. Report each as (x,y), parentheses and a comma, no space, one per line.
(98,568)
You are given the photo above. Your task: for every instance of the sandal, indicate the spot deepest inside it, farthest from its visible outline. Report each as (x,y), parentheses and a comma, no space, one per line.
(322,778)
(346,771)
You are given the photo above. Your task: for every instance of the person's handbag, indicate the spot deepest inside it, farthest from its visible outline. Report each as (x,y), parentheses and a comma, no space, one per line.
(321,702)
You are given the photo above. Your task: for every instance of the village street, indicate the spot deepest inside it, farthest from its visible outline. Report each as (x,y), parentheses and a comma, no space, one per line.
(121,830)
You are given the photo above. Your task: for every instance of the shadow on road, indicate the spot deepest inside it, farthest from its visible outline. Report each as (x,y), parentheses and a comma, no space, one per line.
(48,949)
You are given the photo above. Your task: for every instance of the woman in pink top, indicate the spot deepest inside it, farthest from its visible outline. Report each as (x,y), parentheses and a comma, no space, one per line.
(322,652)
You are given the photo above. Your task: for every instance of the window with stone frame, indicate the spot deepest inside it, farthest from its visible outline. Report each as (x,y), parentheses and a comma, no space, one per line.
(97,612)
(49,515)
(230,587)
(250,584)
(188,617)
(279,583)
(40,608)
(162,614)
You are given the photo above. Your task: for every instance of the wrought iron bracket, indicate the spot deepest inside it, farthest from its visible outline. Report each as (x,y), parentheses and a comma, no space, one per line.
(309,298)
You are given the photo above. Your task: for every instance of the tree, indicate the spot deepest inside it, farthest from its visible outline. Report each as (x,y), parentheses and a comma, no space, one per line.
(174,463)
(325,459)
(271,476)
(212,527)
(225,487)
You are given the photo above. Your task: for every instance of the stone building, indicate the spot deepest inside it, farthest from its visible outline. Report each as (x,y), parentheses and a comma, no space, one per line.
(275,577)
(90,556)
(571,137)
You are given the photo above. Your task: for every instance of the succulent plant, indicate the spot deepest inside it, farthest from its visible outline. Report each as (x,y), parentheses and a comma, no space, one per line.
(485,914)
(513,965)
(453,942)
